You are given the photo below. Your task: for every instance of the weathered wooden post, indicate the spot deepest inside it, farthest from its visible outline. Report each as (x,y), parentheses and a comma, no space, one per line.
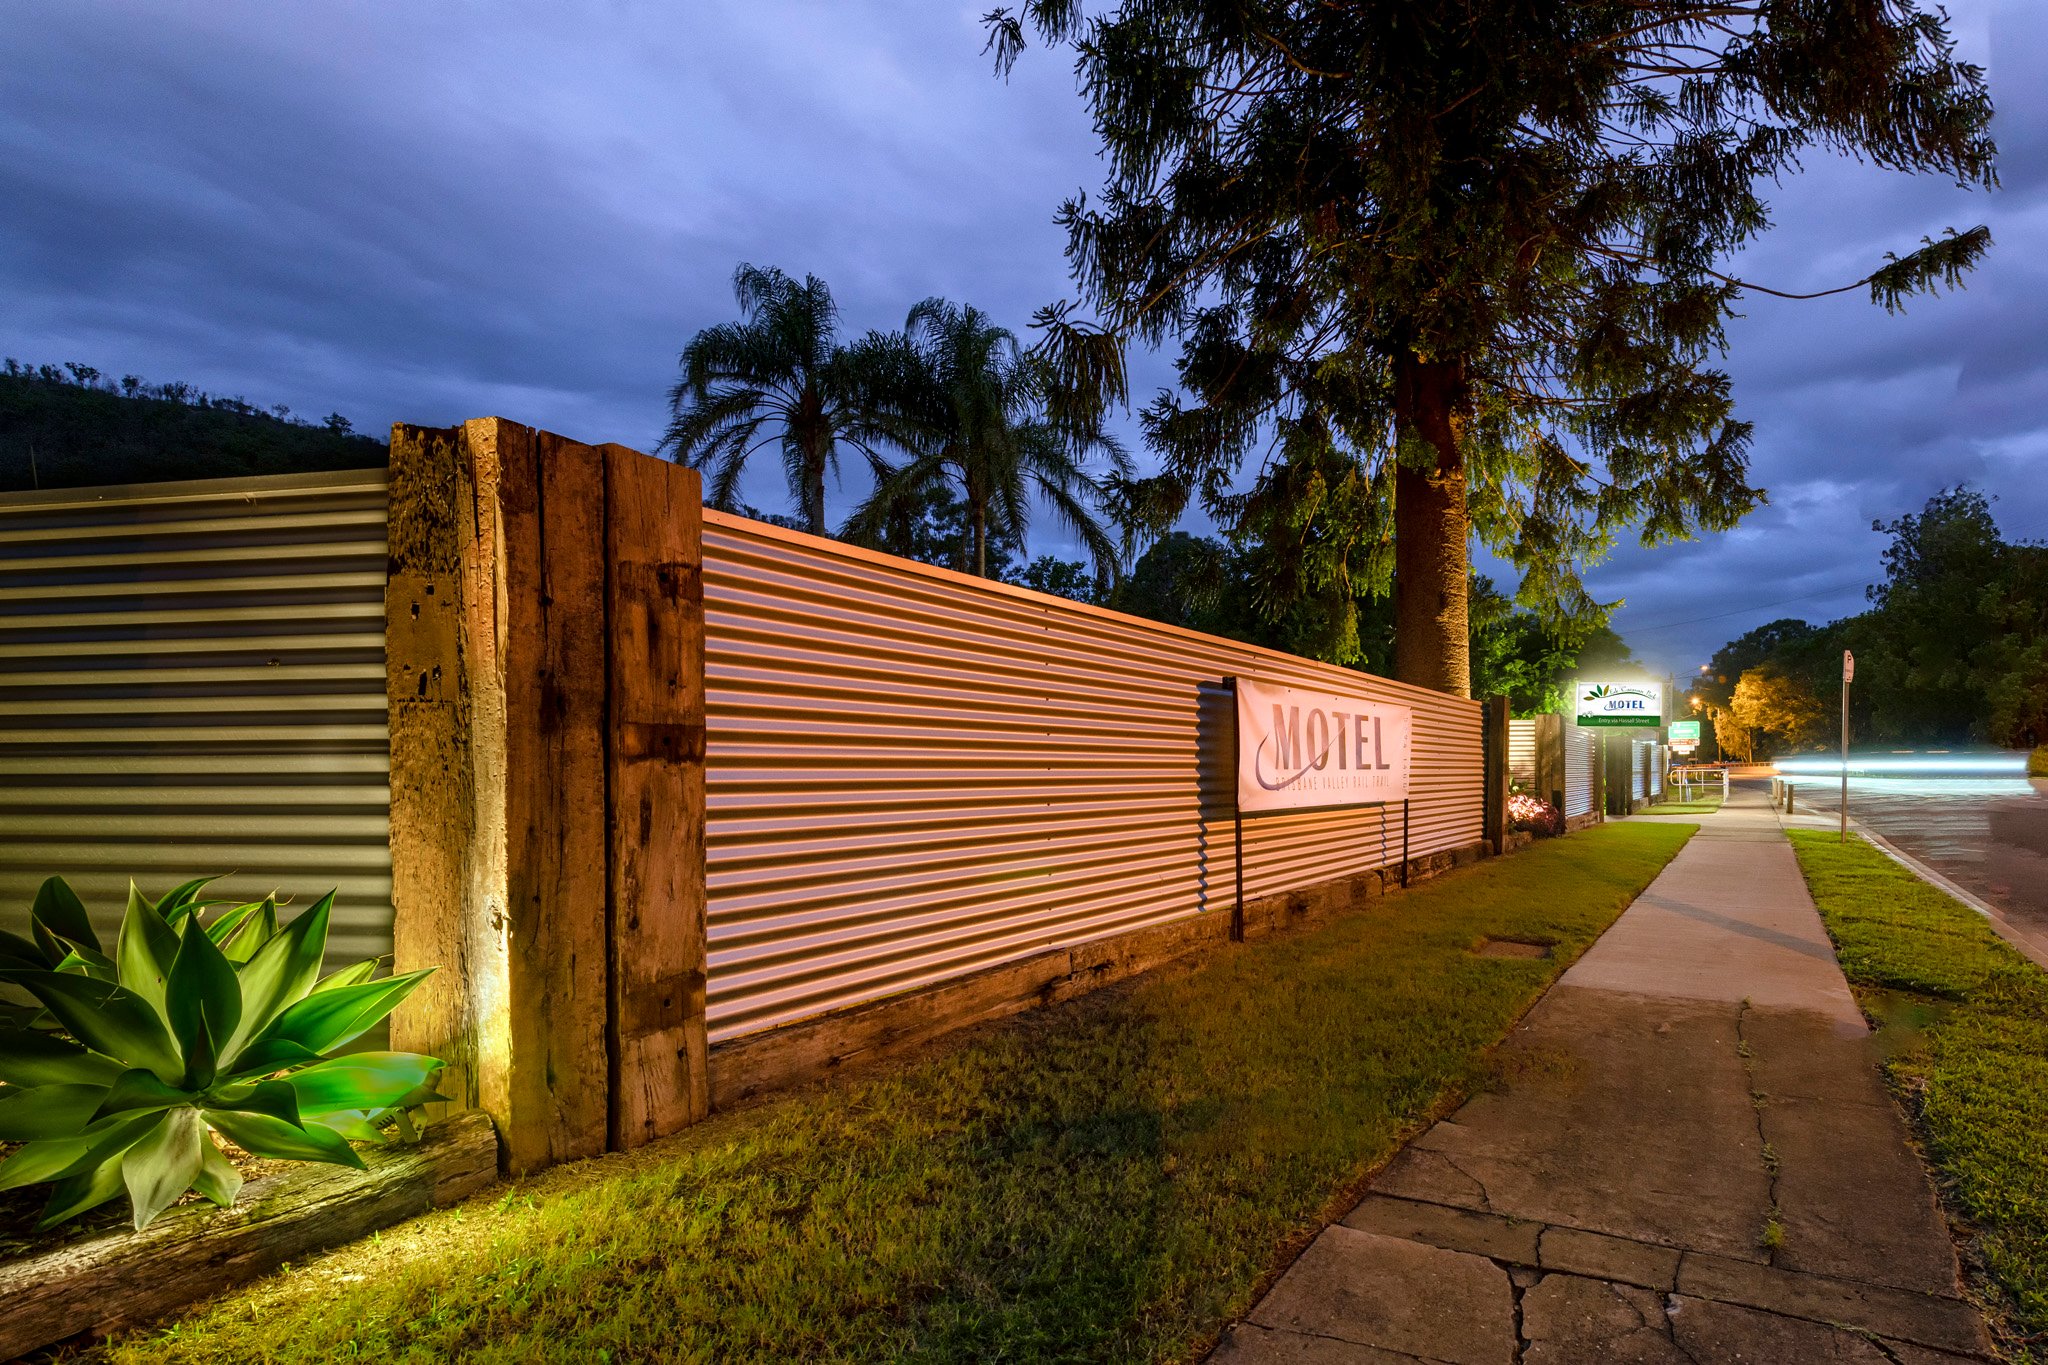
(546,803)
(1494,719)
(654,756)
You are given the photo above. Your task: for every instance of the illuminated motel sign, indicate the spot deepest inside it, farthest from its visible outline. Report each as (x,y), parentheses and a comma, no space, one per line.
(1620,704)
(1298,749)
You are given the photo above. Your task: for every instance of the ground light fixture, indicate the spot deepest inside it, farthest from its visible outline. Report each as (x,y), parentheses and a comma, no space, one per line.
(1908,765)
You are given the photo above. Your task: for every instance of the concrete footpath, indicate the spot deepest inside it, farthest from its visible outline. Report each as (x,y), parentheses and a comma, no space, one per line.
(1693,1160)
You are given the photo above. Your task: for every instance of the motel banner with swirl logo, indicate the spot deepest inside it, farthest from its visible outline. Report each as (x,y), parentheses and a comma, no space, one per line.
(1298,749)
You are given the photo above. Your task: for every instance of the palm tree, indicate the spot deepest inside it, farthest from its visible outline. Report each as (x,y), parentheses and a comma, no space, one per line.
(980,413)
(778,376)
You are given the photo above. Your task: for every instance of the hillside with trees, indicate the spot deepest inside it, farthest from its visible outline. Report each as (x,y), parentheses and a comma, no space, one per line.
(1954,648)
(73,427)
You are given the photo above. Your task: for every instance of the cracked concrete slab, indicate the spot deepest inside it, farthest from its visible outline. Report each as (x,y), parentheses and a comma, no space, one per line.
(1650,1136)
(1569,1320)
(1454,1229)
(1373,1290)
(1714,1332)
(1608,1258)
(1248,1344)
(1691,1158)
(1944,1324)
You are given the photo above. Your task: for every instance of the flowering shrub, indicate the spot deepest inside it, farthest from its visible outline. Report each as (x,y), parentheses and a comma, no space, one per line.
(1534,814)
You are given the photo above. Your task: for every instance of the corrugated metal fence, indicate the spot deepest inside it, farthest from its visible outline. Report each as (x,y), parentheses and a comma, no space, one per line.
(1647,769)
(1522,754)
(1581,771)
(913,774)
(192,682)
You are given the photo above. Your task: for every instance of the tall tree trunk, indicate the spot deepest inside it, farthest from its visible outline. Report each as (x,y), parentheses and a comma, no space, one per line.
(814,492)
(979,513)
(1432,563)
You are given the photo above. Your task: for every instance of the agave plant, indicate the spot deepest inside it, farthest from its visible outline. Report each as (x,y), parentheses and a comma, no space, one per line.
(124,1069)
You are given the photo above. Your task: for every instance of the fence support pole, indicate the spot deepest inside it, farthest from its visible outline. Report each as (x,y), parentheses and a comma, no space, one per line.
(529,859)
(1404,843)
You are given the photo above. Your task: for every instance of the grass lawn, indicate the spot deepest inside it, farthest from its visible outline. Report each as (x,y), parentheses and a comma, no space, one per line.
(1699,805)
(1109,1179)
(1967,1020)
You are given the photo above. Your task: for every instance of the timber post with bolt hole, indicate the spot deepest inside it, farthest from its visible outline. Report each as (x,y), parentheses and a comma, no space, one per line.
(545,680)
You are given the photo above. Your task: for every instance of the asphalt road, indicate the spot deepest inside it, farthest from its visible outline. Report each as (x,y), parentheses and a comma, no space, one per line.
(1989,836)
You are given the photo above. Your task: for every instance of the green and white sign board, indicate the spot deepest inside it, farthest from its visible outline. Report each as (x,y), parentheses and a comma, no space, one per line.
(1685,732)
(1620,704)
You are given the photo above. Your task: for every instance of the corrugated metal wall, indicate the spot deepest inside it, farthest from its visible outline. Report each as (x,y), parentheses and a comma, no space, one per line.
(1650,759)
(1581,769)
(1522,754)
(192,682)
(914,774)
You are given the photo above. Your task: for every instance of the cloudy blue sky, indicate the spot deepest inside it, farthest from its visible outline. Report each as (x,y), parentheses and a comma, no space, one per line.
(423,212)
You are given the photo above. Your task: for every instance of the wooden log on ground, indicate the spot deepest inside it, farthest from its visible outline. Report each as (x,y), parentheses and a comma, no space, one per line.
(120,1279)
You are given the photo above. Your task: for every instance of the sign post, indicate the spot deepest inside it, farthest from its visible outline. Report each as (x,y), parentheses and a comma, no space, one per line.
(1848,675)
(1684,738)
(1299,749)
(1618,705)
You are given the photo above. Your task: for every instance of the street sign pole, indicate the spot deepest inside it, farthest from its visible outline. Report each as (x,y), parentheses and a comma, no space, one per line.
(1848,674)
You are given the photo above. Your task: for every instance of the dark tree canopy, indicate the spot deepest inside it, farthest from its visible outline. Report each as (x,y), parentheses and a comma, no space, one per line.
(1953,649)
(779,377)
(75,427)
(1452,267)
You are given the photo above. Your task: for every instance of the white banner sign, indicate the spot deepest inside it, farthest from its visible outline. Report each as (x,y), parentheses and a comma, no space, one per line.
(1620,703)
(1297,749)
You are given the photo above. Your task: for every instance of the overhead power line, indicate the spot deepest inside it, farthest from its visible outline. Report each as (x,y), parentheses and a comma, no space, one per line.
(1741,611)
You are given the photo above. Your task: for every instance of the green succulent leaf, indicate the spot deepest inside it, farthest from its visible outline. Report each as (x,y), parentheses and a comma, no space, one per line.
(231,920)
(16,951)
(85,962)
(354,975)
(353,1124)
(58,909)
(261,1059)
(180,901)
(79,1193)
(48,1111)
(273,1099)
(128,1098)
(202,1060)
(218,1179)
(106,1018)
(331,1018)
(163,1163)
(50,948)
(244,929)
(145,950)
(41,1160)
(140,1091)
(59,1158)
(37,1057)
(263,1135)
(202,995)
(366,1082)
(280,973)
(15,1016)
